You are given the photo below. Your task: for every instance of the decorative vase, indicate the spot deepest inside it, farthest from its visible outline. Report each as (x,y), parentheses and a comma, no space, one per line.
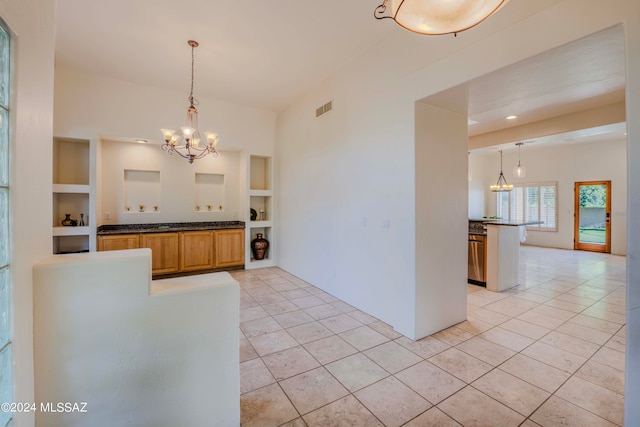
(81,220)
(67,221)
(259,247)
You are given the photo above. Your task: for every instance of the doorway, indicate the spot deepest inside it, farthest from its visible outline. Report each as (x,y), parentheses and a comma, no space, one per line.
(592,216)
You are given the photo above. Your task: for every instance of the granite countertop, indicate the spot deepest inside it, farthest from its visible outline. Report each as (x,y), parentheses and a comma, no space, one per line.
(512,223)
(168,227)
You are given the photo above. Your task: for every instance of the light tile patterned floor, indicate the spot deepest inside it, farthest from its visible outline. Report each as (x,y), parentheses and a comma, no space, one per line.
(549,352)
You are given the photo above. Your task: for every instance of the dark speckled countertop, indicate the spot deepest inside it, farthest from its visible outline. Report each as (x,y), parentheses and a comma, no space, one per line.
(166,227)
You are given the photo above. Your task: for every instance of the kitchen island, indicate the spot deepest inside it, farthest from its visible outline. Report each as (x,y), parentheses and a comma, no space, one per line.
(503,253)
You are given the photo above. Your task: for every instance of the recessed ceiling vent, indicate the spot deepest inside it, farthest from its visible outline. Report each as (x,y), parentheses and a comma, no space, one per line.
(323,109)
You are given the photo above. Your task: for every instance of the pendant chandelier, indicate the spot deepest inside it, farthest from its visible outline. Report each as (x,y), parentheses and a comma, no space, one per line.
(188,143)
(501,185)
(437,17)
(519,170)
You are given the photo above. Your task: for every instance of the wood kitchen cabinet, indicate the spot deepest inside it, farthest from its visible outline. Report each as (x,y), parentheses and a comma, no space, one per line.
(164,251)
(229,246)
(196,250)
(118,242)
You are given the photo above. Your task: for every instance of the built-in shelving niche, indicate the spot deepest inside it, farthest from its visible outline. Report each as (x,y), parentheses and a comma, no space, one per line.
(209,194)
(260,175)
(266,234)
(141,191)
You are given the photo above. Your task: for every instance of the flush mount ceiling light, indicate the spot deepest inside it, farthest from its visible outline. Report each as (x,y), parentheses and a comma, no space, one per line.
(437,17)
(187,143)
(511,117)
(501,185)
(518,170)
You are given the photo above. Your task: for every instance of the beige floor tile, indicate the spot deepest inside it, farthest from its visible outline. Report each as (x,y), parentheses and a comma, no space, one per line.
(511,306)
(356,372)
(559,412)
(363,317)
(472,408)
(252,313)
(330,349)
(298,422)
(577,299)
(535,372)
(529,423)
(531,296)
(594,398)
(486,351)
(253,375)
(327,298)
(392,402)
(474,326)
(541,320)
(284,286)
(595,323)
(617,343)
(610,357)
(309,332)
(602,375)
(293,318)
(425,348)
(313,389)
(460,364)
(556,357)
(572,344)
(266,407)
(508,339)
(253,328)
(280,307)
(478,300)
(385,330)
(363,338)
(246,301)
(322,311)
(295,294)
(340,323)
(269,298)
(525,328)
(343,306)
(434,417)
(272,342)
(261,289)
(585,333)
(290,362)
(431,382)
(556,313)
(247,352)
(515,393)
(309,301)
(453,335)
(488,316)
(347,411)
(600,313)
(392,356)
(565,305)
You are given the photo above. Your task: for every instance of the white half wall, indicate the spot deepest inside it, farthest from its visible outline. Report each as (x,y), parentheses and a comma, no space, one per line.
(564,164)
(137,352)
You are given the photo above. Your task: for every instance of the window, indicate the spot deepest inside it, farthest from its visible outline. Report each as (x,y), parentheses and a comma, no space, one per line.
(531,202)
(6,380)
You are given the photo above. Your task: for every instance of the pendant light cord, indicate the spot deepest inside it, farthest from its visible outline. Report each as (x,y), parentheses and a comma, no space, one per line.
(192,100)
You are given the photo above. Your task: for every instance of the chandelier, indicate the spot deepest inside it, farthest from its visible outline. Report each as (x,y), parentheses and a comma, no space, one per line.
(501,185)
(437,17)
(188,143)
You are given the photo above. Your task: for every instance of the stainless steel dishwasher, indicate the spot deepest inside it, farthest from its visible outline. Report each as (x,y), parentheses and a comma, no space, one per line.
(477,273)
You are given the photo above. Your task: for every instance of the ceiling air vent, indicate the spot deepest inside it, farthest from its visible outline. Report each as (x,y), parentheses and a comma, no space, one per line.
(323,109)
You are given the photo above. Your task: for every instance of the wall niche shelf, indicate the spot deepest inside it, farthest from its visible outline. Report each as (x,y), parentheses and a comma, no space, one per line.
(73,193)
(141,187)
(209,192)
(260,198)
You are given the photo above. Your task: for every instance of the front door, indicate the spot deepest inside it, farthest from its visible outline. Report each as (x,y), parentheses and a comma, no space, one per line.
(592,224)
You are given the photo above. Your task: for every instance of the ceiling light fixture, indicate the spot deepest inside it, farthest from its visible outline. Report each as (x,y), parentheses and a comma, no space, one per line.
(511,117)
(437,17)
(518,170)
(187,144)
(501,185)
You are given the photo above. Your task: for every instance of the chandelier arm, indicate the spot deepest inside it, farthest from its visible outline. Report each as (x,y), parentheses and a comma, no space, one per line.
(380,11)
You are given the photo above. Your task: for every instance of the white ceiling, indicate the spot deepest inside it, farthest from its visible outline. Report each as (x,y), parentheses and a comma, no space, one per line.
(252,52)
(265,53)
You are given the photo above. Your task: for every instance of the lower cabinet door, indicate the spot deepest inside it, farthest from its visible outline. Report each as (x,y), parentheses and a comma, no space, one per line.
(229,248)
(118,242)
(164,251)
(196,250)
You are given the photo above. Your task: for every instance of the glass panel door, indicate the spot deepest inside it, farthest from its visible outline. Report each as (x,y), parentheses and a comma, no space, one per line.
(592,224)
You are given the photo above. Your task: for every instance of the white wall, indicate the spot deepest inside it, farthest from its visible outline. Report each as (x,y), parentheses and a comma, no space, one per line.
(177,193)
(137,352)
(32,22)
(334,175)
(564,164)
